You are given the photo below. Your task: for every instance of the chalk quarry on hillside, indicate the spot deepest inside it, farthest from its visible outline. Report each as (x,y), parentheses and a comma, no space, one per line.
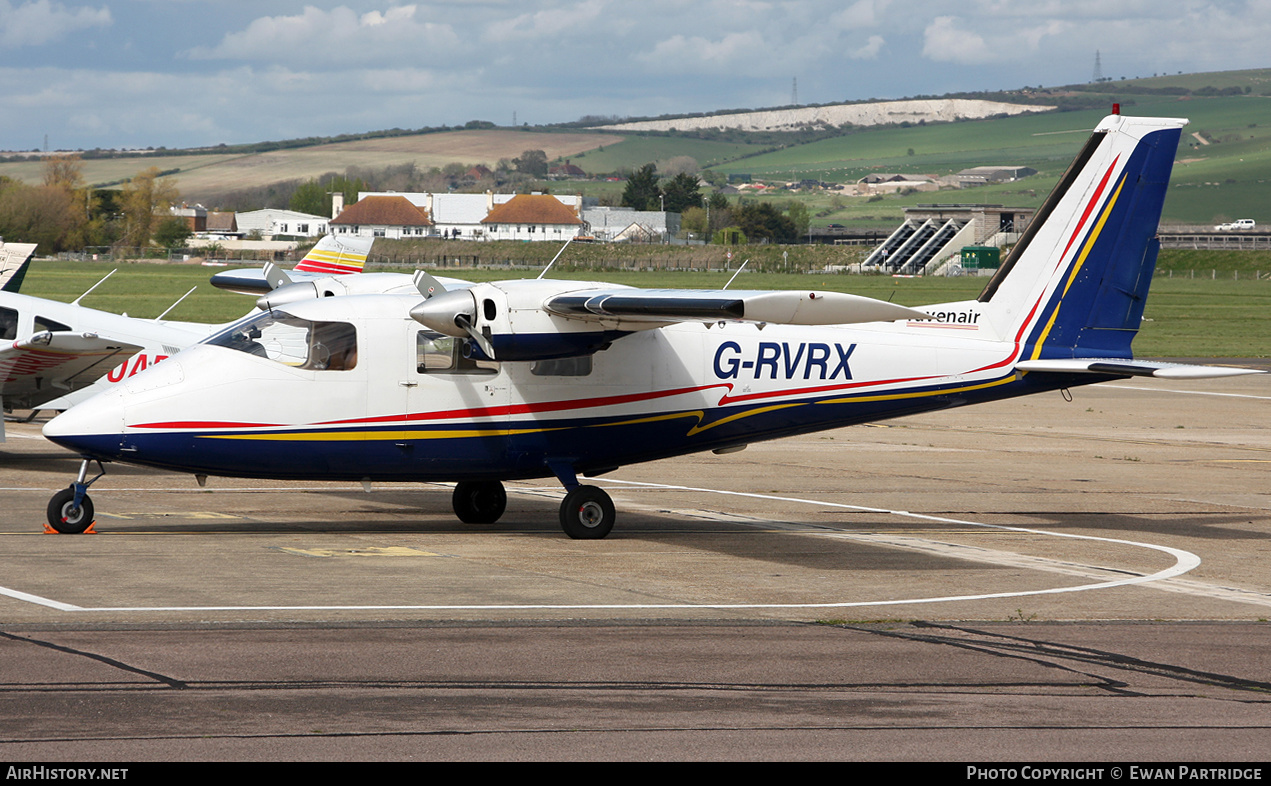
(879,113)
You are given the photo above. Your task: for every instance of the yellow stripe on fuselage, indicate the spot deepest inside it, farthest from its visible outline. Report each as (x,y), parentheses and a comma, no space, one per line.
(700,415)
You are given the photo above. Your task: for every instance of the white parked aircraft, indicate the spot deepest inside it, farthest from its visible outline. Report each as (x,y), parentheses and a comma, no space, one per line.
(54,355)
(541,378)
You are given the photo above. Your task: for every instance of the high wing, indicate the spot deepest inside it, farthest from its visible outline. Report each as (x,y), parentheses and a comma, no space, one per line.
(29,366)
(545,319)
(332,256)
(1131,368)
(795,307)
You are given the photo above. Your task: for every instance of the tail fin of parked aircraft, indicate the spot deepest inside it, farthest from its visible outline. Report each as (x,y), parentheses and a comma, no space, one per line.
(14,260)
(1076,283)
(336,256)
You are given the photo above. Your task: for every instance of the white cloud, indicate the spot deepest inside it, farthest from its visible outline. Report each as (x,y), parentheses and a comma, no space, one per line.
(187,72)
(548,23)
(870,50)
(949,39)
(337,37)
(680,54)
(863,13)
(944,41)
(39,22)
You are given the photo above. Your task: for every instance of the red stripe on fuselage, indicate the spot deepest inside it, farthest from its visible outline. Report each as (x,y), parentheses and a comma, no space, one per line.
(547,406)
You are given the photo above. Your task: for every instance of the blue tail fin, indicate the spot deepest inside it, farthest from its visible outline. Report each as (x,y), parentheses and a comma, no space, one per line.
(1076,283)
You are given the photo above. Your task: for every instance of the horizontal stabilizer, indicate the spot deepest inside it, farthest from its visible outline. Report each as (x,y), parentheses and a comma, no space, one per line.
(795,307)
(1132,368)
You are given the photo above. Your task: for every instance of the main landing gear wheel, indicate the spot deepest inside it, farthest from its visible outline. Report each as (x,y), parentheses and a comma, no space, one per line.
(65,517)
(479,501)
(587,513)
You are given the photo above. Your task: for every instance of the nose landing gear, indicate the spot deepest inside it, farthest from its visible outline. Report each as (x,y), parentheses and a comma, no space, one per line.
(70,511)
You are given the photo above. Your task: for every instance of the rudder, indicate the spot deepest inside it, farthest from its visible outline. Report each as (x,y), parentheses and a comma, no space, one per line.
(1077,282)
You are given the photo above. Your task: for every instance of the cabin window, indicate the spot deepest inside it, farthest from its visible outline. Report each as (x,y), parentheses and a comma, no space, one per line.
(44,323)
(562,367)
(438,354)
(8,324)
(300,343)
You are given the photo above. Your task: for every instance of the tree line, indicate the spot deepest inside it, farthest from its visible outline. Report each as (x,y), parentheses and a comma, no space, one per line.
(714,217)
(64,214)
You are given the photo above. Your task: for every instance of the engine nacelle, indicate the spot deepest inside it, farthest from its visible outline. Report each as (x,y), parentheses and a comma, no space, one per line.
(508,320)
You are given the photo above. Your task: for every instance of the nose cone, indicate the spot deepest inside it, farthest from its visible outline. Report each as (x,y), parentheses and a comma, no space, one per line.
(96,426)
(92,428)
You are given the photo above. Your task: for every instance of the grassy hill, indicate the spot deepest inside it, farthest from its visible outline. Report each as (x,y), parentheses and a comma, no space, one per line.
(216,173)
(1223,172)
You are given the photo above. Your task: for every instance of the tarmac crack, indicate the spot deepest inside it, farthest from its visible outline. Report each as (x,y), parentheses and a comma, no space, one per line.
(1051,655)
(113,663)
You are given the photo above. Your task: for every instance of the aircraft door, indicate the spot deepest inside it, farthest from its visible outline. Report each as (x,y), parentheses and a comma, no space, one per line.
(456,405)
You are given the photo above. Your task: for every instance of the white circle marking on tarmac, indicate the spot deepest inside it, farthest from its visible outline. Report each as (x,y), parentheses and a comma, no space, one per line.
(1184,561)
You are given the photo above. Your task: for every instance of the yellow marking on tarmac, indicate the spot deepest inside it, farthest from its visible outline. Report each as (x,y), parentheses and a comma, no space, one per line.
(384,551)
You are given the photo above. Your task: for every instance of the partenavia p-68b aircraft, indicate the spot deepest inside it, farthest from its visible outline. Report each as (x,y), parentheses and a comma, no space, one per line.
(541,378)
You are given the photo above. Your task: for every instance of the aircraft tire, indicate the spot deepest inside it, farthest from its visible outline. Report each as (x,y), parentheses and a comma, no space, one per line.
(479,501)
(587,513)
(67,519)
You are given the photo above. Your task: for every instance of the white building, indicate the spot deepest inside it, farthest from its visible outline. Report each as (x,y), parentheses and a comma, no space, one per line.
(463,216)
(271,221)
(624,223)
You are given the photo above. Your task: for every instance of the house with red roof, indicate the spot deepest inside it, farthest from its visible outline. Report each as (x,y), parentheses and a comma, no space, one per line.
(532,217)
(383,216)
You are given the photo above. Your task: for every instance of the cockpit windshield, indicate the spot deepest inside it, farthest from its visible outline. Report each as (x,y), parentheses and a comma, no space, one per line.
(300,343)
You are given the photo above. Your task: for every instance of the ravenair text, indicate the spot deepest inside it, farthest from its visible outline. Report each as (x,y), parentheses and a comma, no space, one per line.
(954,317)
(784,360)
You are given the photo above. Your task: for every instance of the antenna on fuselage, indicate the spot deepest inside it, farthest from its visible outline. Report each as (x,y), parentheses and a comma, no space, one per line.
(558,253)
(735,275)
(75,302)
(174,305)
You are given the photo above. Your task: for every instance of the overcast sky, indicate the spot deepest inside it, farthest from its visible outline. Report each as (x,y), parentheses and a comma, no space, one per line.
(180,73)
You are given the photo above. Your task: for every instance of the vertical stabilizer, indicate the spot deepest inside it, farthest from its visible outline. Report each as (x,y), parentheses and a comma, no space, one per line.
(335,256)
(1076,283)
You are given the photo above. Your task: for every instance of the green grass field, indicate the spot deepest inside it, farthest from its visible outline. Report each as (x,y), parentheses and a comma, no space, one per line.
(1185,317)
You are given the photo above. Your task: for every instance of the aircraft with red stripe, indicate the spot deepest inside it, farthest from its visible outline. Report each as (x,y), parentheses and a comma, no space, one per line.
(539,378)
